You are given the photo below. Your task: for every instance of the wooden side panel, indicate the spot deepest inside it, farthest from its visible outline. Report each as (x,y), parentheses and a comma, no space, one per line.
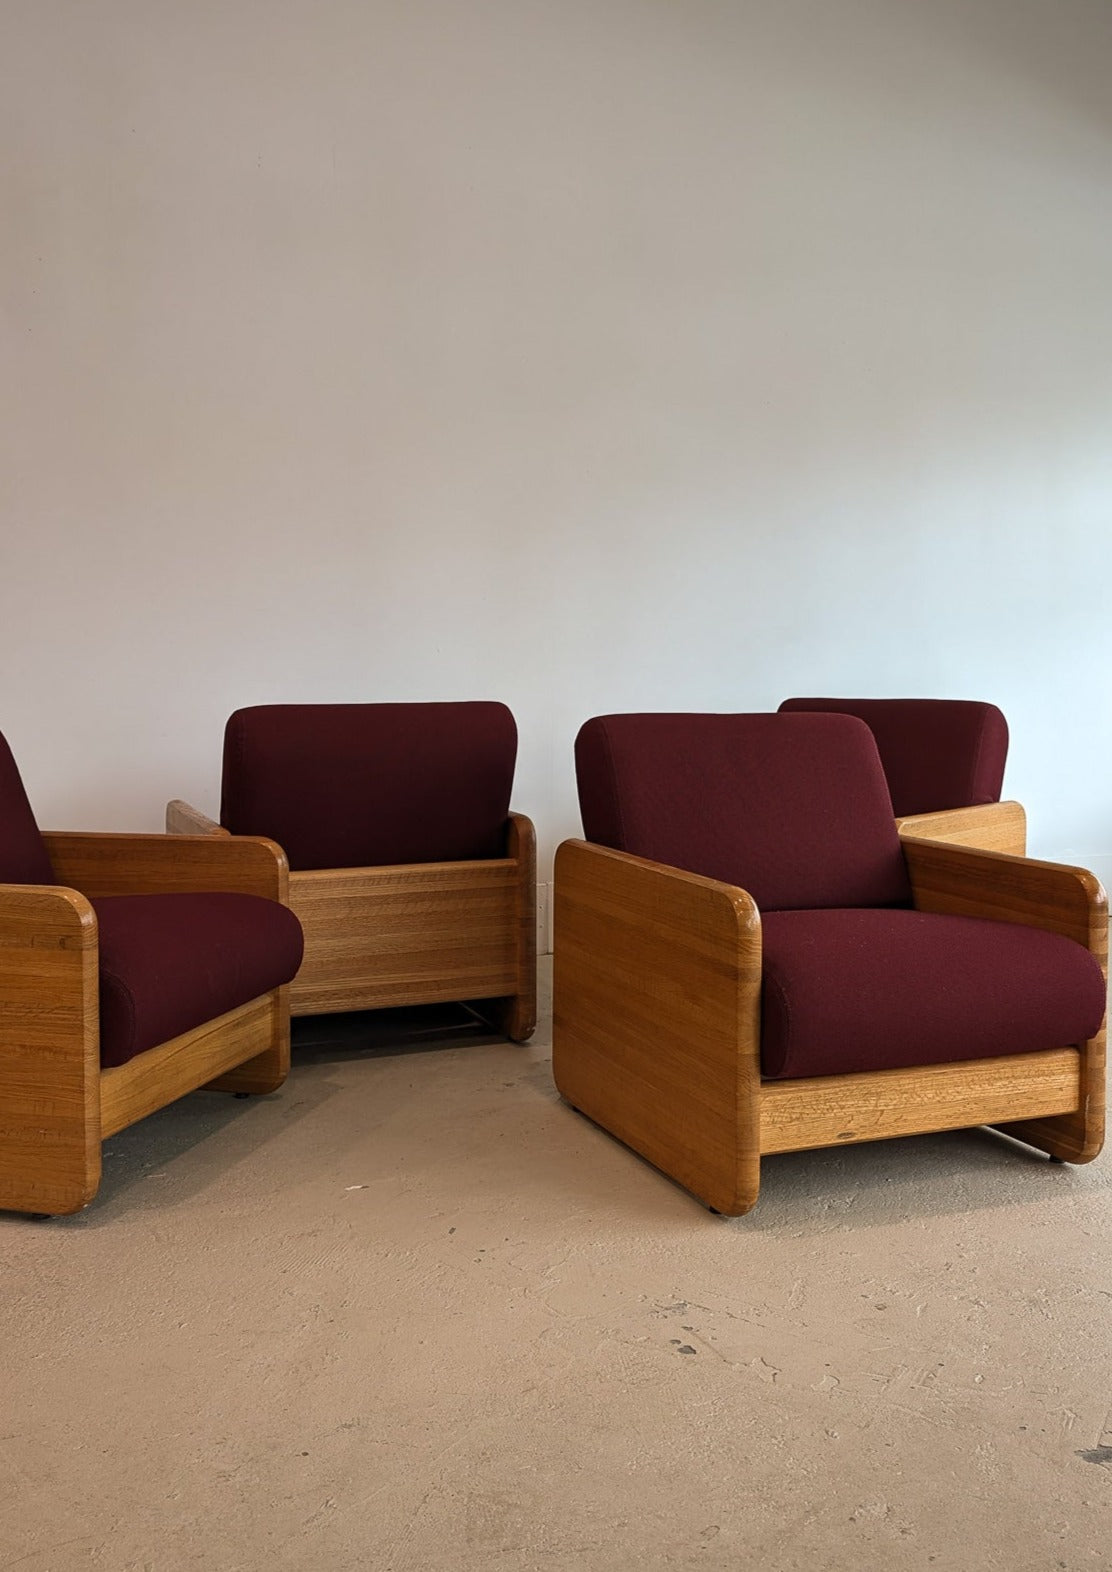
(656,998)
(129,1092)
(266,1071)
(1061,899)
(993,826)
(412,934)
(49,1069)
(839,1110)
(111,864)
(521,1016)
(183,819)
(516,1016)
(973,883)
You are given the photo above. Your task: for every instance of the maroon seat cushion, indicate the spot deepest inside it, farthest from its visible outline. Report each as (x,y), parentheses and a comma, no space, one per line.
(878,990)
(937,753)
(793,808)
(23,858)
(361,785)
(169,963)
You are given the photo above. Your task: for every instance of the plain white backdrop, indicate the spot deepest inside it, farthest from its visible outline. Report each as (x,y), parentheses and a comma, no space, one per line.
(588,354)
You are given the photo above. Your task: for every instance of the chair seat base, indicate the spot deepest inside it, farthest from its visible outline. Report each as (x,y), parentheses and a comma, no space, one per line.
(425,933)
(841,1110)
(245,1050)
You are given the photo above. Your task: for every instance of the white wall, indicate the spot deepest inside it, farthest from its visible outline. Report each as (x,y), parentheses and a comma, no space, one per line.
(593,354)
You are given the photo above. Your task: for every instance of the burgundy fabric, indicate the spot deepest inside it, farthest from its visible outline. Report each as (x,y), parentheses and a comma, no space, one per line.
(793,808)
(937,753)
(23,858)
(360,785)
(859,990)
(169,963)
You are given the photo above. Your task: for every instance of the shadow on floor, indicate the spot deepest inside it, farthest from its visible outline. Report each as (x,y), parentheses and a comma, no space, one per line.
(321,1039)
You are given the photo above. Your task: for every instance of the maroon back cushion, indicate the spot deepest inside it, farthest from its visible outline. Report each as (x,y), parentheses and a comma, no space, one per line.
(23,858)
(360,785)
(793,808)
(937,753)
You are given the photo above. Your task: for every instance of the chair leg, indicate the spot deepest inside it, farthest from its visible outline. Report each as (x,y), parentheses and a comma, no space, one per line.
(514,1017)
(54,1171)
(267,1070)
(50,1094)
(1072,1137)
(521,1017)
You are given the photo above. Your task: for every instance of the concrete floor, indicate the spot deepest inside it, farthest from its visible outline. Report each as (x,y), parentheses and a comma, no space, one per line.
(413,1313)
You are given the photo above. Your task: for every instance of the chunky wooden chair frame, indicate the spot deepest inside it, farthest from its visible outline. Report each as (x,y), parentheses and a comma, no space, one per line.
(57,1104)
(414,933)
(656,1021)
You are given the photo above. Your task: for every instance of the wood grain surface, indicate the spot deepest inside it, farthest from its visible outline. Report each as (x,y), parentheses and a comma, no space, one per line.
(656,991)
(839,1110)
(222,1048)
(995,826)
(116,864)
(411,934)
(49,1056)
(183,819)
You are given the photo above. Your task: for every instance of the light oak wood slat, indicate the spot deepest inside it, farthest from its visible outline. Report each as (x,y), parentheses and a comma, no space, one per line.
(516,1014)
(183,819)
(266,1071)
(412,934)
(520,1015)
(840,1110)
(131,1091)
(116,864)
(994,826)
(656,1001)
(966,881)
(49,1106)
(1053,896)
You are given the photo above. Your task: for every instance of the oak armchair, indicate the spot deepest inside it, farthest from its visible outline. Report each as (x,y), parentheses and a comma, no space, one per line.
(413,881)
(133,969)
(748,960)
(944,762)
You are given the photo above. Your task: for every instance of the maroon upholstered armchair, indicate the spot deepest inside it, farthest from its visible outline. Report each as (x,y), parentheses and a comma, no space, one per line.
(944,762)
(748,960)
(412,879)
(133,969)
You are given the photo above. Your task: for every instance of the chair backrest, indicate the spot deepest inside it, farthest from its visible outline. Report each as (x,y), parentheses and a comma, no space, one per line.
(362,785)
(793,808)
(23,856)
(937,753)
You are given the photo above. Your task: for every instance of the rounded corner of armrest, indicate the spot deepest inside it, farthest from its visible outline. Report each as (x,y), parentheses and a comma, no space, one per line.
(521,836)
(79,904)
(1095,890)
(182,818)
(569,848)
(174,807)
(56,904)
(265,844)
(747,911)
